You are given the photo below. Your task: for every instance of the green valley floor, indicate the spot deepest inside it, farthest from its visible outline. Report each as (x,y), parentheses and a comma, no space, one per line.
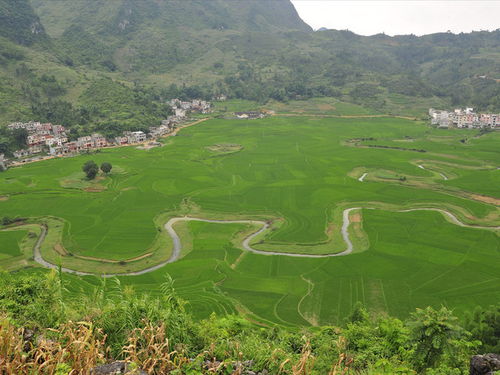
(424,230)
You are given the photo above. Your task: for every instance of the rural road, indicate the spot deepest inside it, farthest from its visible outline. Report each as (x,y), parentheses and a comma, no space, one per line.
(177,246)
(441,174)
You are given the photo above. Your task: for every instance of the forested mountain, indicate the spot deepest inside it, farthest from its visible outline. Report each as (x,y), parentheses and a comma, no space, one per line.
(19,23)
(54,53)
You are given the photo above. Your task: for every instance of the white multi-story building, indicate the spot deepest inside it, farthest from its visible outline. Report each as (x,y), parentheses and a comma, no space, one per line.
(464,118)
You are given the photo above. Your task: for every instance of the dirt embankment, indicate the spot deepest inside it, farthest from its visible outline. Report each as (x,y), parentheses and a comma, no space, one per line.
(485,199)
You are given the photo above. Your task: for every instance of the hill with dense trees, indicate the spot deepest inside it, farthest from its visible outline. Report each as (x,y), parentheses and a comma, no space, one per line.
(54,53)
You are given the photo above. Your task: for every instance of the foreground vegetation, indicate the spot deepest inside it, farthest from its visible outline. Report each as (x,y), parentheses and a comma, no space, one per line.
(46,329)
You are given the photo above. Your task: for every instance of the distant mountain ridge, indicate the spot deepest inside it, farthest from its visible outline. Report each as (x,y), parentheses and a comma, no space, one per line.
(54,53)
(120,17)
(156,35)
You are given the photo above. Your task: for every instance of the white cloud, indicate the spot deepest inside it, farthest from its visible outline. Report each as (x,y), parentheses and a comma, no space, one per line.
(368,17)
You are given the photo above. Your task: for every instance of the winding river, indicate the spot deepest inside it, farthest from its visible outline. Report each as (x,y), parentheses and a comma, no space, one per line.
(177,245)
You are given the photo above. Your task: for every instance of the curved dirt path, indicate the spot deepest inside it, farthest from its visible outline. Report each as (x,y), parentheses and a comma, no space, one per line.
(246,242)
(362,178)
(177,245)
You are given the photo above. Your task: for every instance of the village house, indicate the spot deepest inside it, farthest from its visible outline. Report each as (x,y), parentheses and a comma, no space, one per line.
(140,136)
(179,112)
(464,118)
(220,98)
(3,163)
(181,108)
(159,131)
(55,141)
(121,140)
(135,137)
(28,151)
(21,153)
(84,143)
(16,125)
(29,126)
(70,147)
(99,141)
(47,128)
(201,106)
(55,150)
(35,139)
(58,129)
(35,149)
(440,118)
(43,137)
(249,115)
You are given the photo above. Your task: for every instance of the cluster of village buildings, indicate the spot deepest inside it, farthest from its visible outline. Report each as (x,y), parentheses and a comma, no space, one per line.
(464,118)
(181,108)
(54,140)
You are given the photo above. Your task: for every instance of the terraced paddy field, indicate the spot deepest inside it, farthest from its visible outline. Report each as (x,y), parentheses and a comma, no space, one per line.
(298,175)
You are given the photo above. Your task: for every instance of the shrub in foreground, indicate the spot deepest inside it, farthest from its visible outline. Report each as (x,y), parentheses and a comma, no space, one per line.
(44,329)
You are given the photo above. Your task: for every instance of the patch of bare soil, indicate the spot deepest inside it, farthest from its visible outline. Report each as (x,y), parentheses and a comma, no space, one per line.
(4,198)
(149,146)
(355,218)
(238,260)
(357,230)
(485,199)
(225,147)
(95,189)
(129,188)
(330,230)
(326,107)
(60,249)
(114,261)
(244,312)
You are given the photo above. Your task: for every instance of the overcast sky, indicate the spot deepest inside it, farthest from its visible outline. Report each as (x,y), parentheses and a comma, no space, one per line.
(368,17)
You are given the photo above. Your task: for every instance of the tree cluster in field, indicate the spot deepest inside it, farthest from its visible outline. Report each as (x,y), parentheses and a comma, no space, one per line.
(159,335)
(6,220)
(91,169)
(397,148)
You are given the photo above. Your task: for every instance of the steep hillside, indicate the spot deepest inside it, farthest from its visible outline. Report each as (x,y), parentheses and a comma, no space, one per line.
(261,49)
(19,23)
(155,36)
(121,17)
(54,53)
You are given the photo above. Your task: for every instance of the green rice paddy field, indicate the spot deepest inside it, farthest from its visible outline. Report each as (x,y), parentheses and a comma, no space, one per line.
(301,171)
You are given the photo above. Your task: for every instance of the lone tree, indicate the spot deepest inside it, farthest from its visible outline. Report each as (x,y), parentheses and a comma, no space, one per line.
(91,169)
(106,167)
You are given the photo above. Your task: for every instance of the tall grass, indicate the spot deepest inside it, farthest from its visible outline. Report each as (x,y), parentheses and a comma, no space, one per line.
(75,345)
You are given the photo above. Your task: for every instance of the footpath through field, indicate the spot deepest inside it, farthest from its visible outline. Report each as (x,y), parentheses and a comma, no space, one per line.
(341,116)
